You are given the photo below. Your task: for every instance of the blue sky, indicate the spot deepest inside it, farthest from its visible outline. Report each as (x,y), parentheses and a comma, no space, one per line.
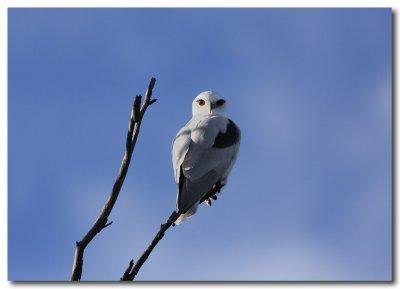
(310,195)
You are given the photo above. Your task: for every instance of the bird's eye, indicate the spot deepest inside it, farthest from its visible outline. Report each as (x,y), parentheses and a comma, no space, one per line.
(201,102)
(220,102)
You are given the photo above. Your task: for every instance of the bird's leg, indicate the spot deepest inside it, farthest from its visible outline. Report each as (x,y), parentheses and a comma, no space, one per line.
(212,194)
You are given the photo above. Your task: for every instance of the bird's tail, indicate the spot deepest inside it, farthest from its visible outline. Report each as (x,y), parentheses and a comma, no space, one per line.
(186,215)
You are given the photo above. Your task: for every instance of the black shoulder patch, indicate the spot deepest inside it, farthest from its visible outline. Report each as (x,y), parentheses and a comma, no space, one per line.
(229,138)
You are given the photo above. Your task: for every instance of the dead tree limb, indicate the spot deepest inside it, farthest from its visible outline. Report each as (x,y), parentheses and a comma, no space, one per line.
(132,269)
(137,113)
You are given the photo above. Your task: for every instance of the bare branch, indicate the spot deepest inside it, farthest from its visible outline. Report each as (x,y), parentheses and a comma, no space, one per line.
(131,272)
(101,222)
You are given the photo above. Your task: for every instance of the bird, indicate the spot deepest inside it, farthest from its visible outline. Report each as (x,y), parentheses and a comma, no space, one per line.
(203,154)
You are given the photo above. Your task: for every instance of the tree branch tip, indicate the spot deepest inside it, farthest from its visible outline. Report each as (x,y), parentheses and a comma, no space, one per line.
(108,224)
(153,101)
(152,82)
(138,98)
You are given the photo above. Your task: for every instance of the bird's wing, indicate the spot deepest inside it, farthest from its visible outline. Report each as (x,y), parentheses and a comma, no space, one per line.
(190,193)
(203,157)
(180,147)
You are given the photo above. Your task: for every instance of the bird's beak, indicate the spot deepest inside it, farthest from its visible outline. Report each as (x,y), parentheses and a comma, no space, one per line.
(212,106)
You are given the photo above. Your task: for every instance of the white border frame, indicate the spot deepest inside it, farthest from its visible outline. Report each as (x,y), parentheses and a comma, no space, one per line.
(5,4)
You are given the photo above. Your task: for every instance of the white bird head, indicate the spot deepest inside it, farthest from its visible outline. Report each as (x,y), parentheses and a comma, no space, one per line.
(209,103)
